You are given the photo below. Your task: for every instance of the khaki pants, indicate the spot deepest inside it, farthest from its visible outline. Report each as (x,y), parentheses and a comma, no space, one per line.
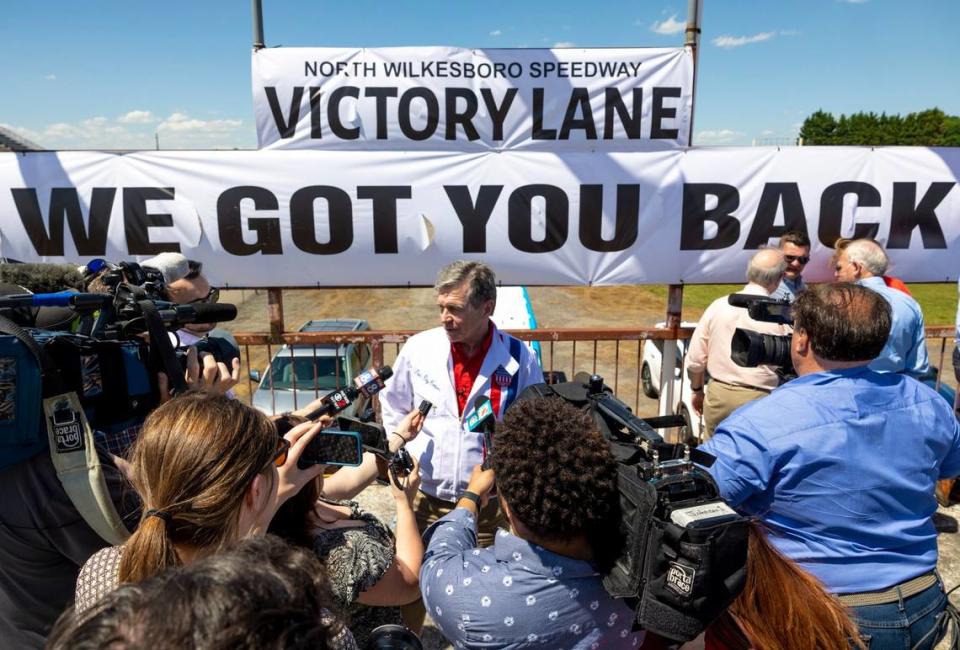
(721,400)
(428,509)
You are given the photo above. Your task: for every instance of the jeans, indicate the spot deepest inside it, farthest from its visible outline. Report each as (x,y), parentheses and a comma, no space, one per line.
(902,624)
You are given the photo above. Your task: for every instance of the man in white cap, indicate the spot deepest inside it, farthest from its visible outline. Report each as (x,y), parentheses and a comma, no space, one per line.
(186,285)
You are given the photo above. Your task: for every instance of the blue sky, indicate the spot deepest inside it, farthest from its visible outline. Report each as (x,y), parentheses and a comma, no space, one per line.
(110,74)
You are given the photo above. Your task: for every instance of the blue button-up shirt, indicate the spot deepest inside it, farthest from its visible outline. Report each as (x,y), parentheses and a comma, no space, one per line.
(841,467)
(906,348)
(789,288)
(516,594)
(957,338)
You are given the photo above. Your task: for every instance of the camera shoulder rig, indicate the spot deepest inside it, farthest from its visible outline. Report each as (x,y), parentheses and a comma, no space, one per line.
(684,560)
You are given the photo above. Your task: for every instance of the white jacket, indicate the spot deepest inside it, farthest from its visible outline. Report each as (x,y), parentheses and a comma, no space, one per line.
(424,371)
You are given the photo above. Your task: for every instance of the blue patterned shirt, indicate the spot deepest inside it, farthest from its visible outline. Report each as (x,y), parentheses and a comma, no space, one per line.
(840,467)
(516,594)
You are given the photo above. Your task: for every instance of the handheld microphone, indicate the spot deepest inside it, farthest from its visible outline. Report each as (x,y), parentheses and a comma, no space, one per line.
(367,383)
(483,419)
(370,382)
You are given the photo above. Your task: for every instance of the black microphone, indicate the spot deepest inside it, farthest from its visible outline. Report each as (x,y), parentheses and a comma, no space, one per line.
(200,313)
(334,402)
(367,383)
(370,382)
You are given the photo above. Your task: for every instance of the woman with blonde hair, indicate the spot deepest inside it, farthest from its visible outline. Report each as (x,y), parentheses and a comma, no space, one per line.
(209,470)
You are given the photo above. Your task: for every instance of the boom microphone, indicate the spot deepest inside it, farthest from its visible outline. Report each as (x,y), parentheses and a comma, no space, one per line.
(42,278)
(60,299)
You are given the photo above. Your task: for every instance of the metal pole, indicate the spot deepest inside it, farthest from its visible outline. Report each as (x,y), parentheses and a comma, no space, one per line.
(694,14)
(668,362)
(275,313)
(258,25)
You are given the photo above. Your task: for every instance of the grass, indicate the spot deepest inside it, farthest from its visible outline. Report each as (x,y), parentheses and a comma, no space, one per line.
(938,300)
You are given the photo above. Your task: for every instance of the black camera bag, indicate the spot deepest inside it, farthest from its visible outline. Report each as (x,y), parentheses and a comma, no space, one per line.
(677,579)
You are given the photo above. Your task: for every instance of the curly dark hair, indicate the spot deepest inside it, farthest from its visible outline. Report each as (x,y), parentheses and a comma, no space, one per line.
(557,474)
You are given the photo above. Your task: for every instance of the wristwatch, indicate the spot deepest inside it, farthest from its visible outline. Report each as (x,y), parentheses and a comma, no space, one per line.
(696,390)
(470,496)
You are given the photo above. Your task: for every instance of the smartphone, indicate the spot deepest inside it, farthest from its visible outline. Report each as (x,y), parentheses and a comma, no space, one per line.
(333,447)
(372,434)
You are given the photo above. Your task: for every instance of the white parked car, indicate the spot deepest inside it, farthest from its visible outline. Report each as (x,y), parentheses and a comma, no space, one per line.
(650,378)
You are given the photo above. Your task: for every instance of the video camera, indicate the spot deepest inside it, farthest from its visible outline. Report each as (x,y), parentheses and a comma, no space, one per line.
(750,349)
(100,354)
(684,560)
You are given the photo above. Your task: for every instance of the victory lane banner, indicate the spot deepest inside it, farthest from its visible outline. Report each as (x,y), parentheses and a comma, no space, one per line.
(315,218)
(470,100)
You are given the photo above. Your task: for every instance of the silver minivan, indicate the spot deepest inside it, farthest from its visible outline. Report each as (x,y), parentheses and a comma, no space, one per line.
(299,374)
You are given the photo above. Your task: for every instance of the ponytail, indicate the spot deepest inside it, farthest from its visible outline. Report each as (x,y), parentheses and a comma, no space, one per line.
(148,551)
(192,464)
(783,606)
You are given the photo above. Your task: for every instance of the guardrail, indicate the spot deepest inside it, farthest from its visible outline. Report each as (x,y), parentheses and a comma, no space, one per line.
(616,354)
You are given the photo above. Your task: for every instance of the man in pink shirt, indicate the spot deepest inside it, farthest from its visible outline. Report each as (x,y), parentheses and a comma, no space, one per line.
(732,386)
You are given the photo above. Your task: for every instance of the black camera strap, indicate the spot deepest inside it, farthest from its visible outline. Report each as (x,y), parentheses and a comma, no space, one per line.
(163,358)
(51,380)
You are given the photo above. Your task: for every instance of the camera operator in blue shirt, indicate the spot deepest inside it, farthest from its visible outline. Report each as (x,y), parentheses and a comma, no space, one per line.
(840,466)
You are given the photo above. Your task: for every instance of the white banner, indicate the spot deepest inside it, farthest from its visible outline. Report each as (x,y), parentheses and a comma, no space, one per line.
(458,99)
(314,218)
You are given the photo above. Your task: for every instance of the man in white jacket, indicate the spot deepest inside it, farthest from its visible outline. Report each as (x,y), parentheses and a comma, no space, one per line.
(452,366)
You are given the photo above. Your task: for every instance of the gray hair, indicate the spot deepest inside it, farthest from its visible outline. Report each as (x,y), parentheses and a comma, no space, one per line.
(868,254)
(480,277)
(766,267)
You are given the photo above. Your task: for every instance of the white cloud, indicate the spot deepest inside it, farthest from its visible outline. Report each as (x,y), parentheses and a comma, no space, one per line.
(564,44)
(136,129)
(496,32)
(723,136)
(669,26)
(51,77)
(789,32)
(767,133)
(136,117)
(738,41)
(183,122)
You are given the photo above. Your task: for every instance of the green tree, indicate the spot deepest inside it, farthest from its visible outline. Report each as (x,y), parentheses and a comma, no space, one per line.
(819,128)
(929,128)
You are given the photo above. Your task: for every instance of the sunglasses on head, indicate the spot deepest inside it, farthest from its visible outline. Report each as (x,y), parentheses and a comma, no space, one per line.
(803,259)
